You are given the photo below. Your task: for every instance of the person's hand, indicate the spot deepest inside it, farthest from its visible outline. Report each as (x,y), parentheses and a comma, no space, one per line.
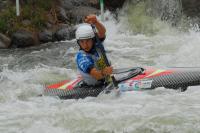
(91,19)
(96,74)
(107,70)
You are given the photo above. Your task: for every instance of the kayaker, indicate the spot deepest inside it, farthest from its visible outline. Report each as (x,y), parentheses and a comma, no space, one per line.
(89,61)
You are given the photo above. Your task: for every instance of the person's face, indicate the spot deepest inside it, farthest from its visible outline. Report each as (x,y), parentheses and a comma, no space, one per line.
(86,44)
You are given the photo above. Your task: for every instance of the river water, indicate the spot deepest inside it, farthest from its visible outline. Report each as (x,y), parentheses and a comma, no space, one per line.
(24,72)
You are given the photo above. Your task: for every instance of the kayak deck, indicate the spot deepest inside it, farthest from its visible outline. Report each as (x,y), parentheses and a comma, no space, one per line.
(77,92)
(150,79)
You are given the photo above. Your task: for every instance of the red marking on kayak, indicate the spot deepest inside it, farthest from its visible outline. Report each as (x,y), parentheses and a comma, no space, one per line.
(160,74)
(71,86)
(143,75)
(57,85)
(149,73)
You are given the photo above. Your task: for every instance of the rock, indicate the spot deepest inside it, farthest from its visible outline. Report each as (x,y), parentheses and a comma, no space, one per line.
(94,3)
(83,2)
(72,30)
(26,22)
(78,13)
(51,19)
(22,38)
(71,4)
(191,7)
(4,41)
(2,45)
(62,14)
(3,4)
(67,4)
(49,25)
(112,5)
(45,36)
(64,33)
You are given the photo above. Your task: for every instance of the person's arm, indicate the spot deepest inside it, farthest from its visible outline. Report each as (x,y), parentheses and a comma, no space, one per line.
(91,19)
(86,65)
(101,29)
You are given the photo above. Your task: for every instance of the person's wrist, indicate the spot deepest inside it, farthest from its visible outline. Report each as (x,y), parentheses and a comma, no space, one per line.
(95,22)
(102,73)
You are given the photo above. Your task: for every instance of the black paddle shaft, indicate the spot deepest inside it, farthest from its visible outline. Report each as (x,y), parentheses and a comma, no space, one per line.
(102,50)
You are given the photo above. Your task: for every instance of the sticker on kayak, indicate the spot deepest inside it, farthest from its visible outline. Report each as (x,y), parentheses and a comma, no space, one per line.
(135,85)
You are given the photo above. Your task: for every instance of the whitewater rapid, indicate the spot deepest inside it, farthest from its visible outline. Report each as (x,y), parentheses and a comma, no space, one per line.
(24,72)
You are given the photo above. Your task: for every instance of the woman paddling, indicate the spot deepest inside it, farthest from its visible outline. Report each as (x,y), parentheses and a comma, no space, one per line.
(89,60)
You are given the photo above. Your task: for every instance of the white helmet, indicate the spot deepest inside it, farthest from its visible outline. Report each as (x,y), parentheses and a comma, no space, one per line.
(84,31)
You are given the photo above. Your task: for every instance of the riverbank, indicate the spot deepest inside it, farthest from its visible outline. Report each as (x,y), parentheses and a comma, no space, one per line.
(54,20)
(41,21)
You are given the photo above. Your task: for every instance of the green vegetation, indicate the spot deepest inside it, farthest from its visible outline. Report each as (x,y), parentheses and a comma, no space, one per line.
(34,12)
(3,25)
(7,17)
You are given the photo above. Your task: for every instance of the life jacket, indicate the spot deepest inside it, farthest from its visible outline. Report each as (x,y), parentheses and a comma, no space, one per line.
(99,64)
